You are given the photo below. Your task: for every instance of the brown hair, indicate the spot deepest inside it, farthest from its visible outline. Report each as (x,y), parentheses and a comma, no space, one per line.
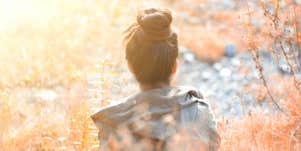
(151,46)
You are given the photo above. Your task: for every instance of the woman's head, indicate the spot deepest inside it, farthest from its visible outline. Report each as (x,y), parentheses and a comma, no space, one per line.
(152,47)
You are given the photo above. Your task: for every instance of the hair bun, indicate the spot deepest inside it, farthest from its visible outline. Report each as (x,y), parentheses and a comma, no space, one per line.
(156,23)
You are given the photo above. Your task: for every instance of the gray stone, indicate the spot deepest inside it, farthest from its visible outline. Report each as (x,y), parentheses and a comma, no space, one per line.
(225,72)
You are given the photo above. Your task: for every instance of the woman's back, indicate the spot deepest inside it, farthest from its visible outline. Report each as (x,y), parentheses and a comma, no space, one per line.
(154,119)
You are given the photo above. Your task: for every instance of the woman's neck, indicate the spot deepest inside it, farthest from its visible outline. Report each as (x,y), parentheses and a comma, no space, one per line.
(145,87)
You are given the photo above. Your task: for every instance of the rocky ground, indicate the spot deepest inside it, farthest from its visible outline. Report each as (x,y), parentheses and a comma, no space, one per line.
(228,84)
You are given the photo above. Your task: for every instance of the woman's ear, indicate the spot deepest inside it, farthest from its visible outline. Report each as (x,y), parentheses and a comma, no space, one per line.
(175,67)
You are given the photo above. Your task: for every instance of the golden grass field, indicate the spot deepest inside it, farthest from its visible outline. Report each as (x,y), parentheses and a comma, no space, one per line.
(50,48)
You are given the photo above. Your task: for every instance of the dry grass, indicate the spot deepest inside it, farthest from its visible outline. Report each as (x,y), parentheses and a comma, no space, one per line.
(262,130)
(48,49)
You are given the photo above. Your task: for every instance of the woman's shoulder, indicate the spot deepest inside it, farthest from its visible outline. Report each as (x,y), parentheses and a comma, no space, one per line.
(170,97)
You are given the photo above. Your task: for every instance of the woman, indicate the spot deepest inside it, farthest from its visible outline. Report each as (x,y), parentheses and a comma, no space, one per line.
(161,116)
